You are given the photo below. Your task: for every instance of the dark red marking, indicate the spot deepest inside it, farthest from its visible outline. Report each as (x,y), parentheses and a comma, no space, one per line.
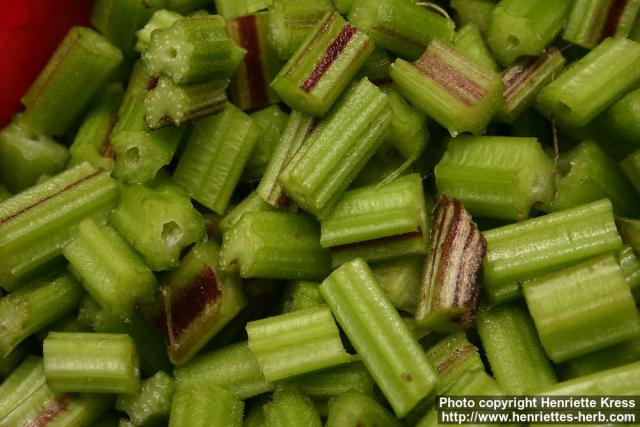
(451,80)
(386,80)
(616,10)
(516,75)
(152,83)
(382,240)
(106,149)
(250,41)
(446,246)
(62,190)
(456,356)
(330,55)
(50,411)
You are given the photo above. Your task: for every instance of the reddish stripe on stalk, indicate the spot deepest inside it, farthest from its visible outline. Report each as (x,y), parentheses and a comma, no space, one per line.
(450,79)
(106,149)
(457,355)
(330,55)
(451,236)
(517,74)
(616,11)
(254,71)
(49,411)
(39,202)
(594,32)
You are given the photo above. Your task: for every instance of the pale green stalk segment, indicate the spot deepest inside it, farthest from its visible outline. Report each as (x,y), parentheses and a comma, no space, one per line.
(290,408)
(470,42)
(27,378)
(300,295)
(205,405)
(296,343)
(631,168)
(610,357)
(400,281)
(160,19)
(328,383)
(586,22)
(252,203)
(351,409)
(271,121)
(630,266)
(382,340)
(623,380)
(477,12)
(511,344)
(36,224)
(151,404)
(522,251)
(582,308)
(118,20)
(230,9)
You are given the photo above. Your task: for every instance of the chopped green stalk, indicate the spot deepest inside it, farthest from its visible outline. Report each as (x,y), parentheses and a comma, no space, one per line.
(387,348)
(531,248)
(450,284)
(230,9)
(470,42)
(630,266)
(631,168)
(296,343)
(111,270)
(378,222)
(199,300)
(139,81)
(275,245)
(511,344)
(300,295)
(582,308)
(322,169)
(451,358)
(623,380)
(27,378)
(92,143)
(171,104)
(271,121)
(524,79)
(586,174)
(610,357)
(630,232)
(44,407)
(160,19)
(149,406)
(400,280)
(36,224)
(377,67)
(450,88)
(215,156)
(118,20)
(250,85)
(26,155)
(67,323)
(149,341)
(78,68)
(295,134)
(91,363)
(290,408)
(252,203)
(591,84)
(592,21)
(205,405)
(495,176)
(525,27)
(353,409)
(233,367)
(323,65)
(477,12)
(158,220)
(381,169)
(34,306)
(290,22)
(402,27)
(193,50)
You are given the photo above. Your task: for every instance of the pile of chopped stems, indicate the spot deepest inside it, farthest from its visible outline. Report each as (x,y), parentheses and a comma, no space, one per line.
(304,212)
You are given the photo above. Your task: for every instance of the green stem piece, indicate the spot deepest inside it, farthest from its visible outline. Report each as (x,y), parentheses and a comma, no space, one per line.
(300,295)
(631,168)
(231,9)
(470,42)
(158,220)
(591,84)
(582,308)
(199,300)
(477,12)
(450,284)
(37,223)
(496,176)
(590,21)
(296,343)
(610,357)
(110,270)
(511,344)
(402,27)
(252,203)
(339,147)
(205,405)
(290,408)
(450,88)
(323,65)
(271,121)
(400,280)
(26,379)
(78,68)
(629,231)
(91,363)
(520,252)
(193,50)
(234,368)
(291,21)
(215,156)
(353,409)
(630,266)
(149,406)
(387,348)
(139,82)
(525,27)
(160,19)
(377,67)
(524,79)
(250,84)
(623,380)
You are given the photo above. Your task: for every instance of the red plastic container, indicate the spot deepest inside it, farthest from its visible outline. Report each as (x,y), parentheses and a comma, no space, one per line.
(30,30)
